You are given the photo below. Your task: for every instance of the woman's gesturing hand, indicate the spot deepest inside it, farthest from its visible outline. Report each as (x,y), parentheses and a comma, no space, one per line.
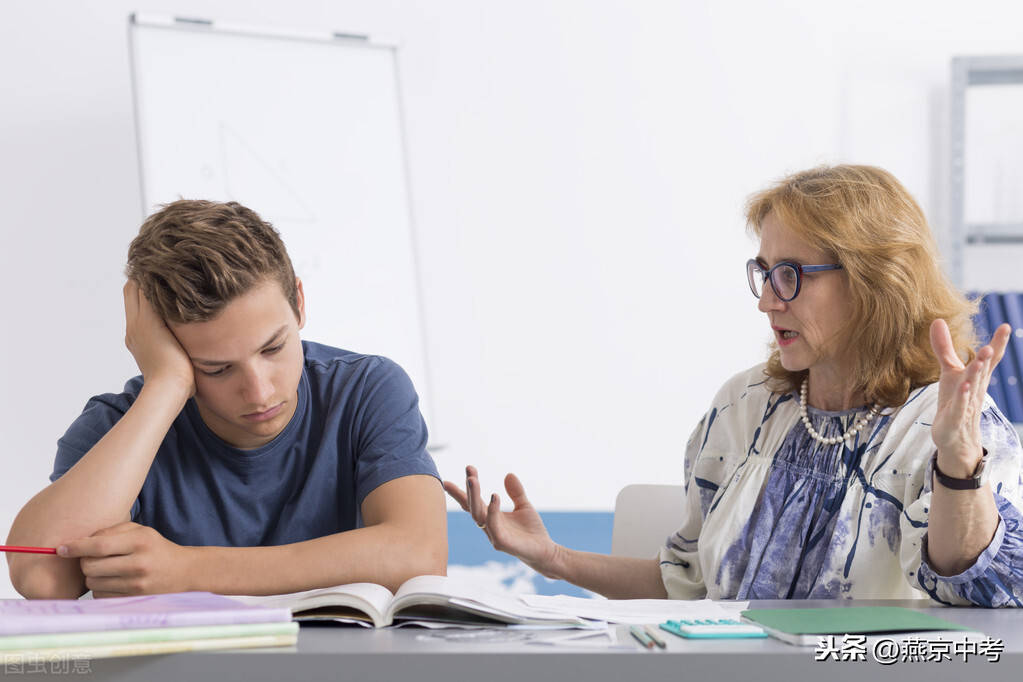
(961,391)
(519,532)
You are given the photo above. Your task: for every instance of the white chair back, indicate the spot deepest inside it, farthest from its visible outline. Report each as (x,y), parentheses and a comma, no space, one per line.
(645,515)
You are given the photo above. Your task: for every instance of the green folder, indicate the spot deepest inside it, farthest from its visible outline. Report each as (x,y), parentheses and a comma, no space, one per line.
(807,626)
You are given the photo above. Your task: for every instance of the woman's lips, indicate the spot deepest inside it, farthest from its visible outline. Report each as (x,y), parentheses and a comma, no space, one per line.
(785,337)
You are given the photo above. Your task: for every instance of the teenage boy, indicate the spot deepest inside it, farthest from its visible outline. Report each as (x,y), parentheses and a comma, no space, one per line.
(243,460)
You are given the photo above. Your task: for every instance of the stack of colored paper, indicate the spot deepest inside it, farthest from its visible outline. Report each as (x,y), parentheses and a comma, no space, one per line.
(132,626)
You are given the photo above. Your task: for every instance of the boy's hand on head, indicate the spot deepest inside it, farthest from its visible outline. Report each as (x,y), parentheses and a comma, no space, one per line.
(156,350)
(130,559)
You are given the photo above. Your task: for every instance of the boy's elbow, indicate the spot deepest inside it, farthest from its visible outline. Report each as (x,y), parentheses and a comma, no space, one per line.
(40,578)
(436,559)
(433,552)
(422,556)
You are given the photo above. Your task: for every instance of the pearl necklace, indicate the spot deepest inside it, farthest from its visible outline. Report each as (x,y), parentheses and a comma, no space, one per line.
(834,440)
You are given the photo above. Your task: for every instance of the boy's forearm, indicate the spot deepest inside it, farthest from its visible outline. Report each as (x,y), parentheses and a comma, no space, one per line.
(99,490)
(381,554)
(95,493)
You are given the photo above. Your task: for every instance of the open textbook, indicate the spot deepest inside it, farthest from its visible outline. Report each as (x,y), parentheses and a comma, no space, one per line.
(424,599)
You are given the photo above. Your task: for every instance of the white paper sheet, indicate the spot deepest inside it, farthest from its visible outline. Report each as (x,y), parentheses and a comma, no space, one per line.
(636,611)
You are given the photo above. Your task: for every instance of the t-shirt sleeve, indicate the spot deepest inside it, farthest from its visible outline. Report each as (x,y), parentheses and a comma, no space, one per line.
(392,434)
(99,416)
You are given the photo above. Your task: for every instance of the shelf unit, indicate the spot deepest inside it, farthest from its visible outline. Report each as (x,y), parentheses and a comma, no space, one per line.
(996,244)
(970,72)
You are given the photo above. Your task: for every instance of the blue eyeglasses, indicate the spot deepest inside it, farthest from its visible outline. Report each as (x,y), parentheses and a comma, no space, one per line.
(786,277)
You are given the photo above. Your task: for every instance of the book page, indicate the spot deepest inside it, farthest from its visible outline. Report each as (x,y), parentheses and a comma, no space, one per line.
(437,589)
(442,591)
(369,598)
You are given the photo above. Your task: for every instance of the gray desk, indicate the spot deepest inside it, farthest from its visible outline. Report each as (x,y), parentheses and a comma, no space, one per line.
(332,653)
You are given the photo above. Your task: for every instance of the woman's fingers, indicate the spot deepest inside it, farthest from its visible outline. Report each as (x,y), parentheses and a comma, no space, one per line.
(999,342)
(503,531)
(516,491)
(475,499)
(962,399)
(944,349)
(457,494)
(494,522)
(979,381)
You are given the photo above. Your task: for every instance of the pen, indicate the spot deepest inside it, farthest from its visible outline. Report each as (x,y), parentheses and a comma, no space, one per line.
(641,637)
(28,550)
(658,640)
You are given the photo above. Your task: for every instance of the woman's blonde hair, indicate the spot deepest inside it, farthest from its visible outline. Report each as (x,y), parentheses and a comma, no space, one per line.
(867,221)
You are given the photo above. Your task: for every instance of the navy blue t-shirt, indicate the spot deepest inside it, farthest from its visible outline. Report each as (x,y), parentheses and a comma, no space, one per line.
(357,425)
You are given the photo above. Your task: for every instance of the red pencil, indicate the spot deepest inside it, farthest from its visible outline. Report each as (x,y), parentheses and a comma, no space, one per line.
(28,550)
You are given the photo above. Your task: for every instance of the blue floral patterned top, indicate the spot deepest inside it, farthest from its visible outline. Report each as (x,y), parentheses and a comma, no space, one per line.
(771,513)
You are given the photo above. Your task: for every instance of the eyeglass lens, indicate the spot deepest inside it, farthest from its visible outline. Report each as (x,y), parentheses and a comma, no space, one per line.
(784,277)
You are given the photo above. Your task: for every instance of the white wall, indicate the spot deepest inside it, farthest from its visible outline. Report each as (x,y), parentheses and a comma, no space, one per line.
(578,173)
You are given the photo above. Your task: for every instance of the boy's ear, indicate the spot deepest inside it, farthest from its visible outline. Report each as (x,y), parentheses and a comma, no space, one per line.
(300,302)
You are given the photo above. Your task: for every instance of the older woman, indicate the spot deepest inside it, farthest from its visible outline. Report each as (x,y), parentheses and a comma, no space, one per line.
(863,460)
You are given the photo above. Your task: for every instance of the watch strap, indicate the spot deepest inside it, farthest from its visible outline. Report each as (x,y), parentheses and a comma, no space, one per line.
(971,483)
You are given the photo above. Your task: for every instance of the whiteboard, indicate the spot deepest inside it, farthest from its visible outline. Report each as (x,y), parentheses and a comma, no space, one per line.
(306,130)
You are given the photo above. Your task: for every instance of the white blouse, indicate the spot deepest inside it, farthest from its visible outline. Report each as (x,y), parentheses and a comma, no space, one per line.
(773,514)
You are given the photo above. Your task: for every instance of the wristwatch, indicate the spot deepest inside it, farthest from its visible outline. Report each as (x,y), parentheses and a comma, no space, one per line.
(972,483)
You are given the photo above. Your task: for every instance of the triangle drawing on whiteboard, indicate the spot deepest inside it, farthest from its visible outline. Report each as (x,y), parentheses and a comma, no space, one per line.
(250,180)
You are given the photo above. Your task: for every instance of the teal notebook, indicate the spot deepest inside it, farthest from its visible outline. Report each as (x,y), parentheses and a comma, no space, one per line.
(806,626)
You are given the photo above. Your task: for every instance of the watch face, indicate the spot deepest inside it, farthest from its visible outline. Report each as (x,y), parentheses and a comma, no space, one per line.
(978,473)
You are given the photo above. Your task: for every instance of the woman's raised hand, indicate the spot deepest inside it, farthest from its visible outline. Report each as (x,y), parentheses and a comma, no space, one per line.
(519,532)
(961,391)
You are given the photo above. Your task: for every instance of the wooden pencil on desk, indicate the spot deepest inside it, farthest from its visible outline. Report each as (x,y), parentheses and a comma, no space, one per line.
(655,638)
(641,637)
